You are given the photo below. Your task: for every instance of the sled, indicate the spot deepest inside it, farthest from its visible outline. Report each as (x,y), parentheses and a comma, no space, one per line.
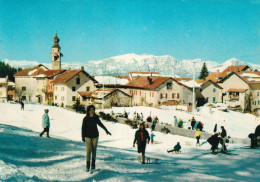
(148,160)
(176,152)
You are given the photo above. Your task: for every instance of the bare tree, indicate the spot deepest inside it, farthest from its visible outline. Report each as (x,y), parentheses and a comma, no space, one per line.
(19,93)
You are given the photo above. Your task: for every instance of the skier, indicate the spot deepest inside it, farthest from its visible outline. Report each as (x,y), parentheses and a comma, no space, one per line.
(22,105)
(193,121)
(214,141)
(45,123)
(141,137)
(200,126)
(175,121)
(176,148)
(223,139)
(90,134)
(152,136)
(155,120)
(197,136)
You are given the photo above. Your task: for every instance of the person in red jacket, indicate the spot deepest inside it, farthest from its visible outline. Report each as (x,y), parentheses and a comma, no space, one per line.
(141,137)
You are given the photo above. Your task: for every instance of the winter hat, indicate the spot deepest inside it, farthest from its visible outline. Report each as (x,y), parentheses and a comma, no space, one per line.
(46,110)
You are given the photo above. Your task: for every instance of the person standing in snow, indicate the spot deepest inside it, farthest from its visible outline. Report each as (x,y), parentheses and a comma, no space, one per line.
(90,134)
(193,121)
(141,137)
(22,105)
(142,117)
(215,128)
(175,121)
(45,123)
(223,139)
(152,136)
(176,148)
(197,136)
(149,119)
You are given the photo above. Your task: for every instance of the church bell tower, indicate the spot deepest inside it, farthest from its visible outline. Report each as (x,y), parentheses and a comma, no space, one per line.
(56,54)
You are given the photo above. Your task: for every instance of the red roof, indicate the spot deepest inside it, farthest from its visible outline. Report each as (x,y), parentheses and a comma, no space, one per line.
(38,70)
(85,94)
(142,82)
(236,90)
(183,79)
(233,69)
(66,76)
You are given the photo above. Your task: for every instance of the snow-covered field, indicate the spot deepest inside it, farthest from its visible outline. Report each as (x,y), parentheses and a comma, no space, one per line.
(24,156)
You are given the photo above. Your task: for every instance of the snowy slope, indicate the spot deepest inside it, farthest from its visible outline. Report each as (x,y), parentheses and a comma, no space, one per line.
(24,156)
(166,65)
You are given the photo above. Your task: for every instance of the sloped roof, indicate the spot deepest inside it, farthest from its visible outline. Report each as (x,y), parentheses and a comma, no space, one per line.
(100,93)
(183,79)
(142,82)
(38,70)
(69,74)
(233,69)
(214,83)
(236,90)
(246,79)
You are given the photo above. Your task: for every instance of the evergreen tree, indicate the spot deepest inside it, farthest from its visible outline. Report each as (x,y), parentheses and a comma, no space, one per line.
(6,69)
(204,72)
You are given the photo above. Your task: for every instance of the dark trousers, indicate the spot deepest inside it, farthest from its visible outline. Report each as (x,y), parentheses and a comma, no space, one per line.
(198,139)
(141,147)
(47,129)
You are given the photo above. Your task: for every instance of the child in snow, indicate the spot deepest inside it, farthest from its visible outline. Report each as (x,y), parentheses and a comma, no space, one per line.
(175,121)
(45,123)
(176,148)
(89,133)
(180,123)
(142,117)
(197,136)
(152,136)
(141,137)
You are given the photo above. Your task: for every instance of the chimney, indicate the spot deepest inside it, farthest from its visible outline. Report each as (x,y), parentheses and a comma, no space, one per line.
(149,80)
(82,67)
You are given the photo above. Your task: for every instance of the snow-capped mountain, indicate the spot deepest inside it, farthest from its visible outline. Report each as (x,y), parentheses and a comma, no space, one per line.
(166,65)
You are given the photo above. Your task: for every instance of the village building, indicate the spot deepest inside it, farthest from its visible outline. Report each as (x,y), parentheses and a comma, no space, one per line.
(158,90)
(241,89)
(35,84)
(209,92)
(7,89)
(107,97)
(69,83)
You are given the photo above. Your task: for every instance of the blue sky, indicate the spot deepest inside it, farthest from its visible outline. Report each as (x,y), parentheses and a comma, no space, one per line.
(93,30)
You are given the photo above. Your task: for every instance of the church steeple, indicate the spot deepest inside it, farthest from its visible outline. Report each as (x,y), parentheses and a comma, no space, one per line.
(56,54)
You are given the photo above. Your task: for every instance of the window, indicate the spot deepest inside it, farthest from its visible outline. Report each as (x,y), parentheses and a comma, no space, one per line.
(201,90)
(23,88)
(23,97)
(153,94)
(214,99)
(258,93)
(73,98)
(55,97)
(84,98)
(169,86)
(140,93)
(258,102)
(78,81)
(89,89)
(1,85)
(214,90)
(62,98)
(62,88)
(73,89)
(172,95)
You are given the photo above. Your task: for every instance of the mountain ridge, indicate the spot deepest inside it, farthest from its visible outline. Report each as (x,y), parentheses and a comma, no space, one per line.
(123,64)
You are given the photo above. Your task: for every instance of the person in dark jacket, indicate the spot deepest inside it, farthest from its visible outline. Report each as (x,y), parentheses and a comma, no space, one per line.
(193,122)
(149,119)
(141,137)
(22,105)
(176,148)
(223,139)
(257,135)
(214,141)
(90,134)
